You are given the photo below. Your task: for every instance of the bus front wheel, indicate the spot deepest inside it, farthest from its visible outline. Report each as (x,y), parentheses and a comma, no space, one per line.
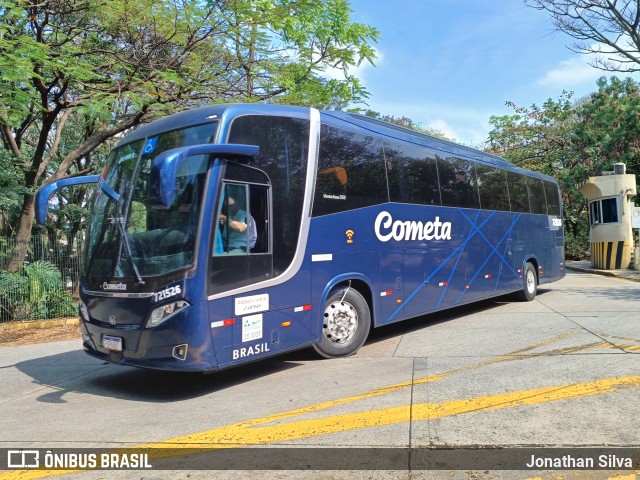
(530,287)
(345,324)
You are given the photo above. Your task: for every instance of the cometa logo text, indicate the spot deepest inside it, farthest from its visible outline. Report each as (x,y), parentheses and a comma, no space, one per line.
(388,229)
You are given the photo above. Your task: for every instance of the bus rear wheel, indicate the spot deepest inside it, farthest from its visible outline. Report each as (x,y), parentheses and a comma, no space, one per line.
(345,324)
(530,287)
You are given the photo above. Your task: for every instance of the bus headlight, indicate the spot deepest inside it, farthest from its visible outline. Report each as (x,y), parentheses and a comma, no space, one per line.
(84,311)
(162,313)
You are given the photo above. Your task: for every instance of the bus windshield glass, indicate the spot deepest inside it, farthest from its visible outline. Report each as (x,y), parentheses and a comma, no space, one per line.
(128,238)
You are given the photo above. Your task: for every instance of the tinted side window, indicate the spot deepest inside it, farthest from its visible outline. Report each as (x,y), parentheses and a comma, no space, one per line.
(350,172)
(609,210)
(412,174)
(594,212)
(284,145)
(603,211)
(536,196)
(553,198)
(458,183)
(492,182)
(518,192)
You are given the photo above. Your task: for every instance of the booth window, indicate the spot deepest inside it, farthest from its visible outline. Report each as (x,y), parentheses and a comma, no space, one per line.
(603,211)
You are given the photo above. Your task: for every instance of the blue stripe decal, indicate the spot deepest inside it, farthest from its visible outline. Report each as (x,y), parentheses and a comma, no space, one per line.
(470,235)
(456,250)
(495,250)
(459,250)
(486,260)
(515,220)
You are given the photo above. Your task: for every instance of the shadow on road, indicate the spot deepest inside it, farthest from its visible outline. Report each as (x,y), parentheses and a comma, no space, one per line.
(386,332)
(76,372)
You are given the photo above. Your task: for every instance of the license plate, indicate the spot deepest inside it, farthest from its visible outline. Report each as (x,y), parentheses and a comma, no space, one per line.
(112,343)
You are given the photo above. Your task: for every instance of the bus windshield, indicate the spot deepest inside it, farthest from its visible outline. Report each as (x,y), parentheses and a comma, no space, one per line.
(128,238)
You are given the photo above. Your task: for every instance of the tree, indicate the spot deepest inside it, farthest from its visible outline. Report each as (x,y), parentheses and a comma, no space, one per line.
(606,29)
(113,65)
(538,137)
(11,188)
(572,141)
(609,128)
(282,48)
(541,138)
(111,62)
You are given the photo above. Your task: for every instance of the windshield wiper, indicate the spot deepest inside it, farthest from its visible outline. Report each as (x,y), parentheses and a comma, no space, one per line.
(125,240)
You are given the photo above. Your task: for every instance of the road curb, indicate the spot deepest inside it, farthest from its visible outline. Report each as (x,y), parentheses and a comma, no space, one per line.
(38,324)
(632,275)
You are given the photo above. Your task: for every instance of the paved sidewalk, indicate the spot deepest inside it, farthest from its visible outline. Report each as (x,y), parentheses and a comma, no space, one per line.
(585,266)
(36,325)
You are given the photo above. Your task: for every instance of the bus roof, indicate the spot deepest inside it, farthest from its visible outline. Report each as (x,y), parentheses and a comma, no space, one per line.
(380,127)
(209,113)
(198,116)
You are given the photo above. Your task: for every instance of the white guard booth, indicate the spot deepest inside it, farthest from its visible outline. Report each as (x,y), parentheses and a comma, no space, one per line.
(610,213)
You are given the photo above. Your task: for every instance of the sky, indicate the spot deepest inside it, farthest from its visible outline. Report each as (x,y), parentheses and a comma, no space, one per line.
(452,64)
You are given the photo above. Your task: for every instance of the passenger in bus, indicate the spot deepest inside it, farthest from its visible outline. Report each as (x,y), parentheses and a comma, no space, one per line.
(235,225)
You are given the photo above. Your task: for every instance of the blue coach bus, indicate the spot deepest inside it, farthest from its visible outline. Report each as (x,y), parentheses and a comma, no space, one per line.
(230,233)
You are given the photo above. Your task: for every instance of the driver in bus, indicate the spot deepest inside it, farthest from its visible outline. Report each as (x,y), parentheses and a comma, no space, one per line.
(235,225)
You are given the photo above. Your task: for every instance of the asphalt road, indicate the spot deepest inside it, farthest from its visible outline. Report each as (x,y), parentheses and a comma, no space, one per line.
(562,371)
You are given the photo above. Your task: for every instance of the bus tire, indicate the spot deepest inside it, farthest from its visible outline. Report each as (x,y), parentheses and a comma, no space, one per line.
(530,287)
(345,324)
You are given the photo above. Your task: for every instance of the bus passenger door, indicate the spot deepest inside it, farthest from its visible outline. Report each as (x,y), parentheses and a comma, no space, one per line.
(241,257)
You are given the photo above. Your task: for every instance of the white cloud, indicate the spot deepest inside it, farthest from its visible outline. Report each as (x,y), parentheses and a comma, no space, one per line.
(442,126)
(465,125)
(577,71)
(571,73)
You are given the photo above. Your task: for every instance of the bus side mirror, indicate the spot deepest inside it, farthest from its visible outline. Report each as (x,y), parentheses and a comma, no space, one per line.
(44,193)
(164,167)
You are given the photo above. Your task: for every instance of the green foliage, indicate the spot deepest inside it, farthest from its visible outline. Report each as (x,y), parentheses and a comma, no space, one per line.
(576,247)
(572,141)
(609,128)
(75,74)
(12,190)
(285,47)
(537,138)
(35,292)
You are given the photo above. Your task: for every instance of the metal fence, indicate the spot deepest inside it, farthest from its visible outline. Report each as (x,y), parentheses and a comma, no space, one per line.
(46,286)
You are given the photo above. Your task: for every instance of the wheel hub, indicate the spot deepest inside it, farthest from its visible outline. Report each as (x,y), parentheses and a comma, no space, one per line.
(340,322)
(531,281)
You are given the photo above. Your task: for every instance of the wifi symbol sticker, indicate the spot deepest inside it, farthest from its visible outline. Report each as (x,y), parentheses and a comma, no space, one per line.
(349,233)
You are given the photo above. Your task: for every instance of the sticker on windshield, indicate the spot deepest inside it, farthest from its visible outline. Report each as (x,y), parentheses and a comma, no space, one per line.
(150,146)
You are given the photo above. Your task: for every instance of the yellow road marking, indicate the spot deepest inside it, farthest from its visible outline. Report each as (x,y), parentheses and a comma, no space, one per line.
(618,337)
(248,433)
